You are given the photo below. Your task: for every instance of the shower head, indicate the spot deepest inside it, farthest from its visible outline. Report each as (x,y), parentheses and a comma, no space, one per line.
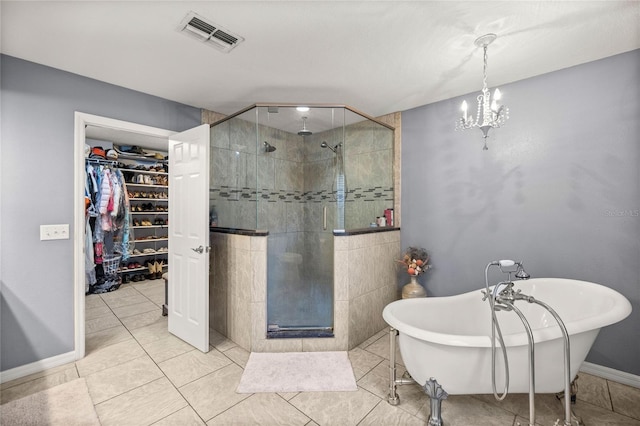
(304,131)
(325,145)
(334,149)
(268,147)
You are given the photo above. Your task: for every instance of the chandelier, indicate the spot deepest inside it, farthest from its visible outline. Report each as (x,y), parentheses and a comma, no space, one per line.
(490,113)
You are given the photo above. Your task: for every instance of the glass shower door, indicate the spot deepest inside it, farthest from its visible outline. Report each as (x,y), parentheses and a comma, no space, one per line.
(297,204)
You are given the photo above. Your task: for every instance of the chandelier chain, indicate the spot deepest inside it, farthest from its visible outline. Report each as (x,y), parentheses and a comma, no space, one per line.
(484,78)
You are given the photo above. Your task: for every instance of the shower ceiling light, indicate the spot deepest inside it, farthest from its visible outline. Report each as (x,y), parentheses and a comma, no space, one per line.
(302,108)
(489,114)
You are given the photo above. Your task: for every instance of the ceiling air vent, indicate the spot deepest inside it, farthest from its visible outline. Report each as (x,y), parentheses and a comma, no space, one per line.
(208,32)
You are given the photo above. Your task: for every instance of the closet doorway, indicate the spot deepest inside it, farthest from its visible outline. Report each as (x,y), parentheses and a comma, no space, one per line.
(120,132)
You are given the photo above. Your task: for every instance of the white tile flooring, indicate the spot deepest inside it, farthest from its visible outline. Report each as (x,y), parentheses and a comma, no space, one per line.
(139,374)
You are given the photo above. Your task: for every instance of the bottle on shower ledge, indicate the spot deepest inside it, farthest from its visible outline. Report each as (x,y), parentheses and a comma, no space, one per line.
(388,214)
(213,217)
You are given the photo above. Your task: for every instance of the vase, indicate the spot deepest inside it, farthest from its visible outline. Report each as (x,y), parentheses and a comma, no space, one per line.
(413,289)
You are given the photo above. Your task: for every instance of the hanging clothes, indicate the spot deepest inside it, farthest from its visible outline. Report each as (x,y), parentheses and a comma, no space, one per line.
(108,230)
(89,266)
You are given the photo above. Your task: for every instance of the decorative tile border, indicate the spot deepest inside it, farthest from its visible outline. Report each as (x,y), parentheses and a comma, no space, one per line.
(377,193)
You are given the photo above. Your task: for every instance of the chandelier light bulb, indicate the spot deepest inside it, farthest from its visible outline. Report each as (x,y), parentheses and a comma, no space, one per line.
(464,109)
(490,113)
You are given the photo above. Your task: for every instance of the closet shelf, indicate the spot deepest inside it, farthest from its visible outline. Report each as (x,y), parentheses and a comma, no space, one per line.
(146,172)
(138,157)
(152,195)
(148,212)
(142,268)
(156,253)
(146,185)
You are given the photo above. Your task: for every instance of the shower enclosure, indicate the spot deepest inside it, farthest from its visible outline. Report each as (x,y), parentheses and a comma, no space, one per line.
(300,175)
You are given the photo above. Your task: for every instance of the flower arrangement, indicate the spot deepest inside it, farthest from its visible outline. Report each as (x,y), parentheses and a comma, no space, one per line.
(416,260)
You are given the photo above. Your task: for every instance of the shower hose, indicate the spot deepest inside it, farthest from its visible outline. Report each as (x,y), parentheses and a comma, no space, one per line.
(495,326)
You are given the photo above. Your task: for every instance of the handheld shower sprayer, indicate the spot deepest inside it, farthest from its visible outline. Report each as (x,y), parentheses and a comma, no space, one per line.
(268,147)
(505,264)
(521,274)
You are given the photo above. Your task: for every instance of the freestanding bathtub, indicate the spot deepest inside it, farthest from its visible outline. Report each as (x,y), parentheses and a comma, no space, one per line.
(448,338)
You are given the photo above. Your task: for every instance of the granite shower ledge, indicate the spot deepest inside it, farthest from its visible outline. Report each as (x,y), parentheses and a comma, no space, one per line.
(238,231)
(337,232)
(361,231)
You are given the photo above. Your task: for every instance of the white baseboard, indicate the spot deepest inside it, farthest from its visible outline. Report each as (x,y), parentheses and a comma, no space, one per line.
(37,367)
(611,374)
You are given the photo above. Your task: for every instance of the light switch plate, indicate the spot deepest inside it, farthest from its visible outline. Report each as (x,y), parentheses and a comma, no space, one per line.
(54,232)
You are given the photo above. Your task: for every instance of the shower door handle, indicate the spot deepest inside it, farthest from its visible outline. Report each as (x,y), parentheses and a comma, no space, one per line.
(324,218)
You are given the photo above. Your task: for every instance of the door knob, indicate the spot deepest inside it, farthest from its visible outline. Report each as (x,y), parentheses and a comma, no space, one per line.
(198,250)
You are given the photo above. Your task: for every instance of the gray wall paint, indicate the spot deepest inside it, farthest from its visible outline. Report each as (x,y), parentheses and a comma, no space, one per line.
(559,189)
(38,105)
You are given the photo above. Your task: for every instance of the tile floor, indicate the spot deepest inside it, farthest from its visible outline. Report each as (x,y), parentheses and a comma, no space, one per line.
(139,374)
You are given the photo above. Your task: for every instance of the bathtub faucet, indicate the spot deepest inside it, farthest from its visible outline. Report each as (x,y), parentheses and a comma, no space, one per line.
(505,288)
(503,292)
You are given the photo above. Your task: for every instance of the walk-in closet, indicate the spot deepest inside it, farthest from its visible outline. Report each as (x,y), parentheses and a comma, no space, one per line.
(127,216)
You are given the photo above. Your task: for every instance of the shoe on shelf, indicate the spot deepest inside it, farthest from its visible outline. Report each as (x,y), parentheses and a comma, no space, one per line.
(159,266)
(152,271)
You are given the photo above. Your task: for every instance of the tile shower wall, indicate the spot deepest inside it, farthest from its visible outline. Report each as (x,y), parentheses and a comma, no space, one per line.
(295,183)
(237,280)
(364,283)
(365,276)
(254,189)
(369,164)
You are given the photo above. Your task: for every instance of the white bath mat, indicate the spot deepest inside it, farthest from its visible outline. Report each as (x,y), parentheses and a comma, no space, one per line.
(68,404)
(297,372)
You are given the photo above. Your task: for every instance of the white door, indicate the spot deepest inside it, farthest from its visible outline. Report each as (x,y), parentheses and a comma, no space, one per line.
(189,236)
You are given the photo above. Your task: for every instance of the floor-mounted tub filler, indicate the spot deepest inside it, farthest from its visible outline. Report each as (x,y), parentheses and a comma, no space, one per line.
(534,339)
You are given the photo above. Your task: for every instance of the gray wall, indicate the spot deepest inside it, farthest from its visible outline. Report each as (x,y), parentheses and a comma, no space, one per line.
(559,189)
(36,277)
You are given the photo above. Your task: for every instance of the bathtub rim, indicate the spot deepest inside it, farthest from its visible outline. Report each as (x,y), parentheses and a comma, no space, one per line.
(581,325)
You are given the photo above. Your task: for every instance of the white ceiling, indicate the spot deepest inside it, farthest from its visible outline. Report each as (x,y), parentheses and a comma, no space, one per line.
(376,56)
